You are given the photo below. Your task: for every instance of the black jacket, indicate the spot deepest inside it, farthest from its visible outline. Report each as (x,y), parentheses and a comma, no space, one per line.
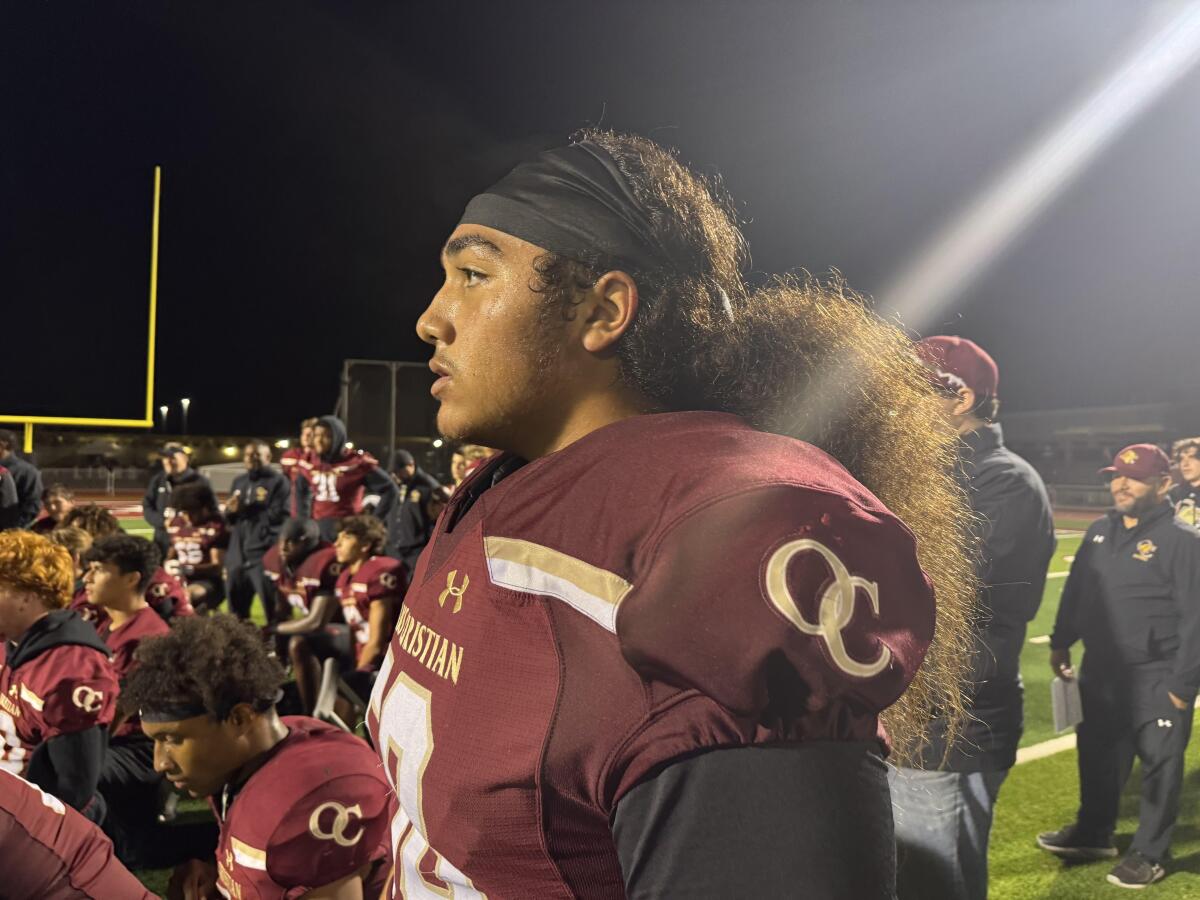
(1133,597)
(410,527)
(28,481)
(1016,526)
(262,509)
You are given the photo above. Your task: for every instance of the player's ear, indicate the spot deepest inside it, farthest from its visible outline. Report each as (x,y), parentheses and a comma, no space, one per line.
(609,308)
(966,401)
(241,717)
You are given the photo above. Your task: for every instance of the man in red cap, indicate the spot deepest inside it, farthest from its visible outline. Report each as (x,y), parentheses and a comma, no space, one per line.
(1133,598)
(943,805)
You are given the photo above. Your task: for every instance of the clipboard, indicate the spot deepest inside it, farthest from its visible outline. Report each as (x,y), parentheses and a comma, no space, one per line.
(1064,699)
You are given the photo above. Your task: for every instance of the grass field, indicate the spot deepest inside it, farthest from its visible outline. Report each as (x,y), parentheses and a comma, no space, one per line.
(1038,795)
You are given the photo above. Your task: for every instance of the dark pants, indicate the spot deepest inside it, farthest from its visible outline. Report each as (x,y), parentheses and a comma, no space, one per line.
(245,580)
(132,789)
(1127,713)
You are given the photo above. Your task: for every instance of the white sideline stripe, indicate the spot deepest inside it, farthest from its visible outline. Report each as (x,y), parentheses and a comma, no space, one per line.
(1067,532)
(1056,745)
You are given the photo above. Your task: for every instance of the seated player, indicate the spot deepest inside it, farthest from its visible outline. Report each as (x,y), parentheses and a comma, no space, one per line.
(118,571)
(369,590)
(47,850)
(93,518)
(77,542)
(168,596)
(341,481)
(302,806)
(1184,495)
(302,567)
(58,689)
(199,538)
(58,500)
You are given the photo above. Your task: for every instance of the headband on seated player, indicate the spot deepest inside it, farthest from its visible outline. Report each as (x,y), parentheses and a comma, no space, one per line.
(573,201)
(189,709)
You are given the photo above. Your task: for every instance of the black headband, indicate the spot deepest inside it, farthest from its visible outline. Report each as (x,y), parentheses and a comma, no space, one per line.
(573,201)
(189,709)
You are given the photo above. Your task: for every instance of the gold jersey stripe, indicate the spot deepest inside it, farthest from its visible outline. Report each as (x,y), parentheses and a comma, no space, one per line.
(31,698)
(245,855)
(533,568)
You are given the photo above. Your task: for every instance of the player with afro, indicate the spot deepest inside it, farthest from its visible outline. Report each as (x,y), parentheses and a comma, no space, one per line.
(302,807)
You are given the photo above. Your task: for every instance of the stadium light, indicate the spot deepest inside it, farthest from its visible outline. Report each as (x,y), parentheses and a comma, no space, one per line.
(437,442)
(185,403)
(283,444)
(982,230)
(162,411)
(229,450)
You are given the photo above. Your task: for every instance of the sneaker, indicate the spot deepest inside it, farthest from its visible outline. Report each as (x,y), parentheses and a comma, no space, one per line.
(1135,871)
(1069,843)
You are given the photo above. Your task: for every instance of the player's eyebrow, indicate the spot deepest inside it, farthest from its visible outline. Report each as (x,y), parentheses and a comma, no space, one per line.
(456,245)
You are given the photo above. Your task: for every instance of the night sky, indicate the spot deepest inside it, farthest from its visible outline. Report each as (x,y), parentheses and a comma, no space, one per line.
(315,157)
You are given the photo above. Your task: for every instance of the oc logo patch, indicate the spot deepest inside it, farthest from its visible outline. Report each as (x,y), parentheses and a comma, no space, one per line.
(836,608)
(388,580)
(87,699)
(342,817)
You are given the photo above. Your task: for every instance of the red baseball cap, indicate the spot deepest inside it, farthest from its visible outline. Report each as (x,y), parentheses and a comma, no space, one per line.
(959,362)
(1140,461)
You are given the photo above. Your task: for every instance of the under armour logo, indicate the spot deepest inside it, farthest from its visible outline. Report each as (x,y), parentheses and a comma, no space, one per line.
(341,821)
(1165,723)
(87,699)
(453,590)
(836,609)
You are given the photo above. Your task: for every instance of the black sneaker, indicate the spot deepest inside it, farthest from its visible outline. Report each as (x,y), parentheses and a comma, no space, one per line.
(1135,871)
(1069,843)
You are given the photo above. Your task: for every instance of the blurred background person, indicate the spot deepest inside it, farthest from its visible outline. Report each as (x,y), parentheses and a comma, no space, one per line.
(342,481)
(26,478)
(256,510)
(58,500)
(10,506)
(409,528)
(291,461)
(199,541)
(157,508)
(458,468)
(943,810)
(1185,495)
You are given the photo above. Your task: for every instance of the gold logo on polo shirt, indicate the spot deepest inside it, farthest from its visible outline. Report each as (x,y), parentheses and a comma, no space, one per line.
(1145,551)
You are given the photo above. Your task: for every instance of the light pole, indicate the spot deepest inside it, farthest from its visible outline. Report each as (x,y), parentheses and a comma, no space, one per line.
(162,411)
(185,403)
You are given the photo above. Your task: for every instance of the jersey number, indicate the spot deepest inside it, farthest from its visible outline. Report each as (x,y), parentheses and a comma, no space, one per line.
(12,751)
(189,553)
(406,726)
(326,487)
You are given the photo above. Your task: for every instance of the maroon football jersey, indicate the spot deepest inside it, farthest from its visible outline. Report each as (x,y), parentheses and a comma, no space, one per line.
(192,545)
(44,525)
(165,587)
(289,462)
(378,578)
(315,812)
(63,689)
(88,611)
(337,487)
(124,641)
(318,572)
(666,585)
(51,852)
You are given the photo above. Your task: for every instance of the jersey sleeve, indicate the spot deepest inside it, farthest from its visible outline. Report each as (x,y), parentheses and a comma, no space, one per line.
(387,581)
(334,830)
(784,605)
(83,694)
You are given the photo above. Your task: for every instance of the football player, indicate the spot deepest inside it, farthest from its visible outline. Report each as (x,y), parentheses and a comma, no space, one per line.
(302,806)
(369,588)
(199,539)
(681,629)
(291,460)
(58,689)
(58,500)
(1185,495)
(49,850)
(342,481)
(118,570)
(303,568)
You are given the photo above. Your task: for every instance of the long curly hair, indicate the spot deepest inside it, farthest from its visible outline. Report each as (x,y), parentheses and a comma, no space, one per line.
(801,356)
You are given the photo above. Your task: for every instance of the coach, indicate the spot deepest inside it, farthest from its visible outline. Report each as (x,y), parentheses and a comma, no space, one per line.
(1133,598)
(156,505)
(26,478)
(255,510)
(943,810)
